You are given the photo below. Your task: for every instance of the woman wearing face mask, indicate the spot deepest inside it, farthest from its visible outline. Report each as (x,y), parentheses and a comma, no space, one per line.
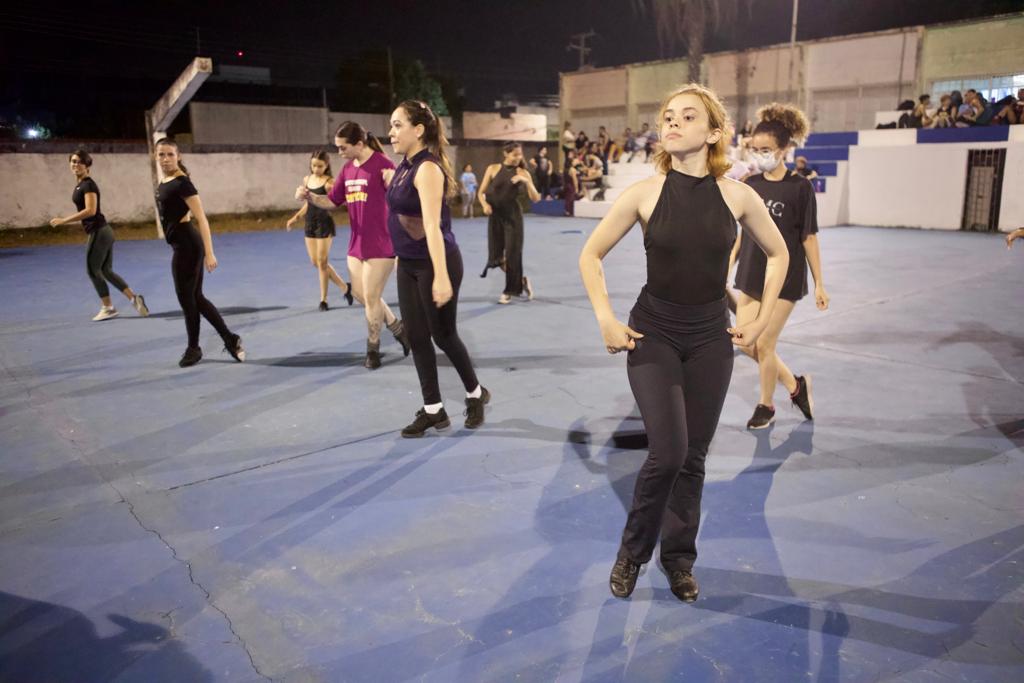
(678,338)
(371,258)
(429,262)
(319,225)
(99,254)
(791,202)
(499,196)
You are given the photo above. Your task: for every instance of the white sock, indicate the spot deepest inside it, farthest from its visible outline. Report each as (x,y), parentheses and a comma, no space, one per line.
(433,408)
(476,393)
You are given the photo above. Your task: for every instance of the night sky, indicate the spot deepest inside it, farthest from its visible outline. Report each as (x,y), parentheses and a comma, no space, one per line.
(65,59)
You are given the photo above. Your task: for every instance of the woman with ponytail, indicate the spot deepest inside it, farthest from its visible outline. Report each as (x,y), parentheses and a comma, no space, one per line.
(678,338)
(499,197)
(178,203)
(792,204)
(371,258)
(319,225)
(429,262)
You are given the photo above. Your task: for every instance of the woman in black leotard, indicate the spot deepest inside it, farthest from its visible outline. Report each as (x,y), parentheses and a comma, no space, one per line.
(178,202)
(499,197)
(678,339)
(320,227)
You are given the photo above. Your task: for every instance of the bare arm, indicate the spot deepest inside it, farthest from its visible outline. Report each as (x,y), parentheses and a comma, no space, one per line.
(813,252)
(481,193)
(195,205)
(429,182)
(88,212)
(531,189)
(625,212)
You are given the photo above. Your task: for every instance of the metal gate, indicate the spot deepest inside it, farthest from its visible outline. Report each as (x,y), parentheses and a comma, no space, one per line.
(984,189)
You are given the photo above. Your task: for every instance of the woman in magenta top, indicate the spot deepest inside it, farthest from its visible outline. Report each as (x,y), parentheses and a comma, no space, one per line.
(360,187)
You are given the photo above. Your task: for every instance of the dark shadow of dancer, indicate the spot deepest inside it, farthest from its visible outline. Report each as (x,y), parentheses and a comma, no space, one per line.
(225,312)
(41,641)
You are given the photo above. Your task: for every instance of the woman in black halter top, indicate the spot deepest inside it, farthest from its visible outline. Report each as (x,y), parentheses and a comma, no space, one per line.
(678,339)
(499,197)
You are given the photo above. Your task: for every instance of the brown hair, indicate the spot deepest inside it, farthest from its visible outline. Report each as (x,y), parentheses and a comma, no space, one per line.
(784,122)
(83,156)
(321,155)
(353,133)
(718,153)
(171,143)
(420,114)
(510,147)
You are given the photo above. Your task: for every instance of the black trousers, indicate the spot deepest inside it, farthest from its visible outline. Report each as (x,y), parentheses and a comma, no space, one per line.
(187,270)
(99,261)
(505,243)
(426,324)
(679,373)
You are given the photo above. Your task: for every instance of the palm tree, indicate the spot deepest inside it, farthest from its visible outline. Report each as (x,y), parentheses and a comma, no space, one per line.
(688,20)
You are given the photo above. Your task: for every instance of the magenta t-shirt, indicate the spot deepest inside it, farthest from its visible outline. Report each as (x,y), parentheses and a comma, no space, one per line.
(362,189)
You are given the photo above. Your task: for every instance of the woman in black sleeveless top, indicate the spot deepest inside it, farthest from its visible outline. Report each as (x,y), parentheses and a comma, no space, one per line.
(177,201)
(320,230)
(680,356)
(499,197)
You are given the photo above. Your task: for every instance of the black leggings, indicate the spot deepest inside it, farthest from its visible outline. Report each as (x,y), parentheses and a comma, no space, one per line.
(505,243)
(424,322)
(99,261)
(679,373)
(187,269)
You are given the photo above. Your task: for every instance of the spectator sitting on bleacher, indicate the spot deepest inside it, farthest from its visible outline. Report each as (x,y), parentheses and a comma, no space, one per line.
(966,113)
(803,169)
(918,116)
(581,143)
(957,100)
(1012,110)
(610,152)
(945,115)
(630,145)
(593,173)
(979,114)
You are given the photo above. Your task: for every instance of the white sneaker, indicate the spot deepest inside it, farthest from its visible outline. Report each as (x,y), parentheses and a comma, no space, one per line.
(140,305)
(504,299)
(105,314)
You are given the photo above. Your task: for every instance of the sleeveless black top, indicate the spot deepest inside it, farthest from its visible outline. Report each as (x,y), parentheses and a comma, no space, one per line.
(315,216)
(688,240)
(502,193)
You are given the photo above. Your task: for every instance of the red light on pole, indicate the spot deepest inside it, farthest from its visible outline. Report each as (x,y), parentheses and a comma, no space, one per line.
(240,53)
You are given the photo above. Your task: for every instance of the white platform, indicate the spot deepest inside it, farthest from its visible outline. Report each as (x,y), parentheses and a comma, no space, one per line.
(620,176)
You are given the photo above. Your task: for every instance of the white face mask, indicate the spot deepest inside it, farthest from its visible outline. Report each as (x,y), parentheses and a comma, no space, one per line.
(765,162)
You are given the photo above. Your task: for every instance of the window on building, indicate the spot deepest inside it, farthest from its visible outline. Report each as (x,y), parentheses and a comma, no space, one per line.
(990,87)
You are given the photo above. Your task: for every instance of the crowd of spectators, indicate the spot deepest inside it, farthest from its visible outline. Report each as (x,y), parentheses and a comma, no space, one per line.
(956,110)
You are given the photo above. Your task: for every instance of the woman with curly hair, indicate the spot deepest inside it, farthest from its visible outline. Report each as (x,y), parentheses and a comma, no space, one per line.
(791,202)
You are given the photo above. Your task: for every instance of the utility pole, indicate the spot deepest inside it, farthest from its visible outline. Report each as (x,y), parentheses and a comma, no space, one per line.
(581,46)
(792,48)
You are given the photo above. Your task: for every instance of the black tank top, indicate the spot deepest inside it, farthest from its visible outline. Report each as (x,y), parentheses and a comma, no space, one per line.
(502,193)
(315,216)
(688,240)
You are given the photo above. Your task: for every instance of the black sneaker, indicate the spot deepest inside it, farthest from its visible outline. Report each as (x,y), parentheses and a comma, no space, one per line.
(191,356)
(683,585)
(623,578)
(802,399)
(324,306)
(475,409)
(398,331)
(763,416)
(233,345)
(348,294)
(372,361)
(425,421)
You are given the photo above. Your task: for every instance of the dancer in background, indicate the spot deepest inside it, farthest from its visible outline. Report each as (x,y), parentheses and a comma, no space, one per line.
(678,338)
(570,183)
(792,204)
(178,202)
(429,262)
(499,197)
(371,258)
(99,254)
(468,182)
(543,168)
(320,230)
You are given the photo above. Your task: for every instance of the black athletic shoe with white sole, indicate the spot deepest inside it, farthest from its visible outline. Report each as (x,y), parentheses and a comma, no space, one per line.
(763,416)
(802,399)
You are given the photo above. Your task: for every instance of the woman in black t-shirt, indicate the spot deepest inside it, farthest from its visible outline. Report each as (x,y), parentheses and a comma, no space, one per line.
(99,254)
(791,202)
(178,201)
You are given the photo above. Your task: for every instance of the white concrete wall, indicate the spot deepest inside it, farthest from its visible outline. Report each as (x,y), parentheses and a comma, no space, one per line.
(228,183)
(491,126)
(865,60)
(1011,211)
(378,124)
(245,124)
(982,48)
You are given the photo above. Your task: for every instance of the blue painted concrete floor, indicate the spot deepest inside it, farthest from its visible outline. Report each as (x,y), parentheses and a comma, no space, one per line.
(263,521)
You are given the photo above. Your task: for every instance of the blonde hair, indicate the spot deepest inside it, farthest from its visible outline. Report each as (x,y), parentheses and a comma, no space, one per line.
(718,153)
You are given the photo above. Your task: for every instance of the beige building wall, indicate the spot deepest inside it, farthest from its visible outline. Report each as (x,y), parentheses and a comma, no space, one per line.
(983,48)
